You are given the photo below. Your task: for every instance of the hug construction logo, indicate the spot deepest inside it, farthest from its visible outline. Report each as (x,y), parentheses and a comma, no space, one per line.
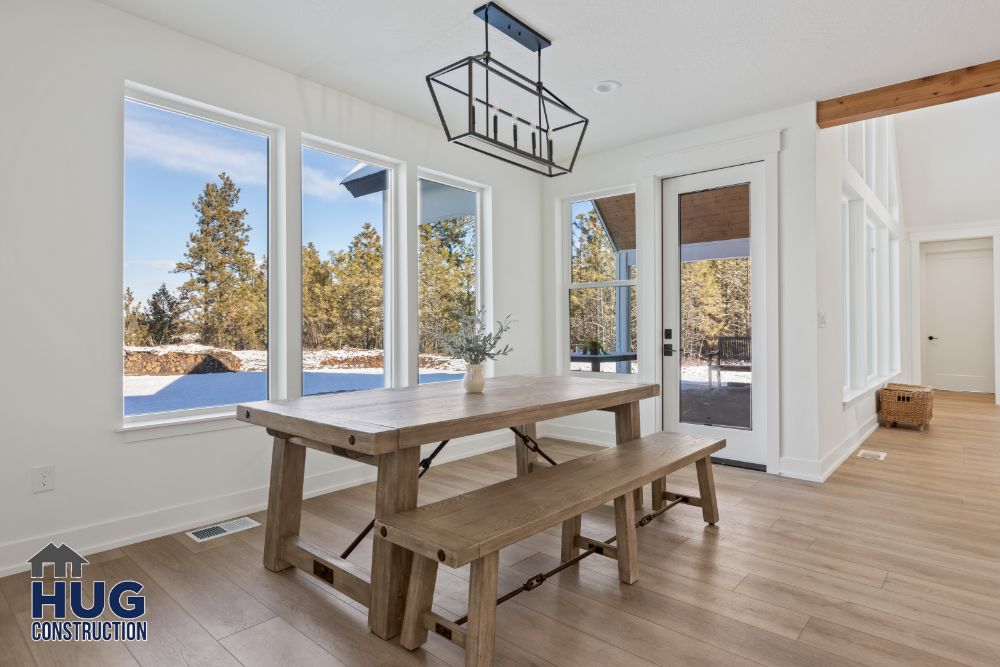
(73,618)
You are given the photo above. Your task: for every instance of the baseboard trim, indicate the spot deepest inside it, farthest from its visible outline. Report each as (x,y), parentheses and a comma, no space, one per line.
(114,533)
(590,436)
(819,471)
(850,444)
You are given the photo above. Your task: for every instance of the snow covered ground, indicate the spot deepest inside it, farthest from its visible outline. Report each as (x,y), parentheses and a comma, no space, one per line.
(689,373)
(162,393)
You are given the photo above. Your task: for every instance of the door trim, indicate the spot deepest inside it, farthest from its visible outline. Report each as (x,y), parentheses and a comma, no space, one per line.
(649,209)
(986,229)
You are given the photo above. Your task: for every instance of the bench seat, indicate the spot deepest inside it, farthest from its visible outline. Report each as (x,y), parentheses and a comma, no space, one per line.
(458,530)
(473,527)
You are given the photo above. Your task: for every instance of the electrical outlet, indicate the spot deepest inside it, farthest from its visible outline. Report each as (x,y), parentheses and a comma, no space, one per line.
(43,478)
(821,319)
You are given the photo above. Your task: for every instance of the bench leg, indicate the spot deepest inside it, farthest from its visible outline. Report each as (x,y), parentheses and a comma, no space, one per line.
(570,531)
(706,487)
(526,458)
(284,502)
(481,634)
(628,560)
(659,488)
(419,599)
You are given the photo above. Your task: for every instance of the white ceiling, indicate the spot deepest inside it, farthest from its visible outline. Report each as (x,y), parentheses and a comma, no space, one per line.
(682,63)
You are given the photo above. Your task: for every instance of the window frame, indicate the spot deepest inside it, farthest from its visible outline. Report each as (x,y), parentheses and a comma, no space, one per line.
(871,259)
(277,364)
(284,277)
(564,284)
(390,254)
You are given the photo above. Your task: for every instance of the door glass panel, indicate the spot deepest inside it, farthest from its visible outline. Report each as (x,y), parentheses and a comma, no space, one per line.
(715,336)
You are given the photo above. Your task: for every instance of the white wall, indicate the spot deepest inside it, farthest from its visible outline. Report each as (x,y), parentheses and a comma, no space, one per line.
(62,82)
(949,160)
(800,452)
(844,424)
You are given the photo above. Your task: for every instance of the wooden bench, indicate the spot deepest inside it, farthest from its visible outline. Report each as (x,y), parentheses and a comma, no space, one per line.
(473,527)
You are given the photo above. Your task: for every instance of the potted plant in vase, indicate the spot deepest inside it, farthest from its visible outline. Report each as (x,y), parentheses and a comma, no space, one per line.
(474,344)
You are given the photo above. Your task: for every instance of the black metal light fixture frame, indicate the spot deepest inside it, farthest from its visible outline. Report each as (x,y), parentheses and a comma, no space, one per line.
(539,134)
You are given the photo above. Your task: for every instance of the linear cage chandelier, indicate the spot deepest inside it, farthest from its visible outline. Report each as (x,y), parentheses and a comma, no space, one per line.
(491,108)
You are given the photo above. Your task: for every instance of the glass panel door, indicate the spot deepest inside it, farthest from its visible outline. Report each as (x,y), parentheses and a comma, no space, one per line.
(714,378)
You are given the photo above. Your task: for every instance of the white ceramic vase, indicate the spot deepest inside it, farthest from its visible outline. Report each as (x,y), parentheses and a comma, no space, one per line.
(475,378)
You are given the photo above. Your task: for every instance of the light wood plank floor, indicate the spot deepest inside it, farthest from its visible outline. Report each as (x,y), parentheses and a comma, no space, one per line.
(888,563)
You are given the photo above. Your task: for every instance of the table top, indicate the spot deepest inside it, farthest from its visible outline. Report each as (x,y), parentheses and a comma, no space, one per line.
(378,421)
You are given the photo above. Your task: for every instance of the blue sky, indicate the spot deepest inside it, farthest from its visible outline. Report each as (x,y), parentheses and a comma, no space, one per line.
(168,159)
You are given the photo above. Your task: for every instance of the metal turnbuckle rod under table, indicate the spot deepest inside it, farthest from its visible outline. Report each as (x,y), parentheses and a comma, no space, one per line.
(425,465)
(532,445)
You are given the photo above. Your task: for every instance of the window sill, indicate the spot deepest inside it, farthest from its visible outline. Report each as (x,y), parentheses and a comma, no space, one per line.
(854,396)
(168,425)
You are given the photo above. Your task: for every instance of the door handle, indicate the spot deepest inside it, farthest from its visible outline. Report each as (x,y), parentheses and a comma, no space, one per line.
(668,350)
(933,338)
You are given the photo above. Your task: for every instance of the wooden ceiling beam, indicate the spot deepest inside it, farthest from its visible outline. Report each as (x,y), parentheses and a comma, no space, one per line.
(927,91)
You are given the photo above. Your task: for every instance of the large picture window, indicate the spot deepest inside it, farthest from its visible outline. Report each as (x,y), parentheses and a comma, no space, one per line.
(195,266)
(343,273)
(602,291)
(448,273)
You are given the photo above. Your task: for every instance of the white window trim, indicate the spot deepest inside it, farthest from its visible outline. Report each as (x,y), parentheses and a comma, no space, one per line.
(484,253)
(391,251)
(564,283)
(277,362)
(870,195)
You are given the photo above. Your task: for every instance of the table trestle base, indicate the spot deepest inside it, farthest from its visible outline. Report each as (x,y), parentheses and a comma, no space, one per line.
(340,574)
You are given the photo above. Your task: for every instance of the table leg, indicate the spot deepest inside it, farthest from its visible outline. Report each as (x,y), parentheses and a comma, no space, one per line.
(395,491)
(526,458)
(595,366)
(284,502)
(626,430)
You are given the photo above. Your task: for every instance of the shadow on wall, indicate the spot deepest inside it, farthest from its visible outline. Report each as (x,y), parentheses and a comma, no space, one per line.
(148,395)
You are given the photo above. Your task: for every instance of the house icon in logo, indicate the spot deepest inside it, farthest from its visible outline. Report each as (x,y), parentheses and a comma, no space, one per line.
(60,557)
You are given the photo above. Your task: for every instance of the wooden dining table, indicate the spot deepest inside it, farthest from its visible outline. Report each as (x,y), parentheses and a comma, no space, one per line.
(386,429)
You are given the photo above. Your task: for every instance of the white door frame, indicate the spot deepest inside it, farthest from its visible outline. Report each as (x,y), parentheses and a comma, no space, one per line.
(979,230)
(649,208)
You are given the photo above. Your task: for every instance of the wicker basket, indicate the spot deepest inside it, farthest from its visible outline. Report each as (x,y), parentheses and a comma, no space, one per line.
(910,404)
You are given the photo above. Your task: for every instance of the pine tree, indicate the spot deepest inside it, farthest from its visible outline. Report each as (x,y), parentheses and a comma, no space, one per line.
(356,291)
(447,287)
(162,317)
(226,291)
(318,313)
(592,310)
(134,330)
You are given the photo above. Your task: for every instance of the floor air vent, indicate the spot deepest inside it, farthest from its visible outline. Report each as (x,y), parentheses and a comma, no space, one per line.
(869,454)
(218,530)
